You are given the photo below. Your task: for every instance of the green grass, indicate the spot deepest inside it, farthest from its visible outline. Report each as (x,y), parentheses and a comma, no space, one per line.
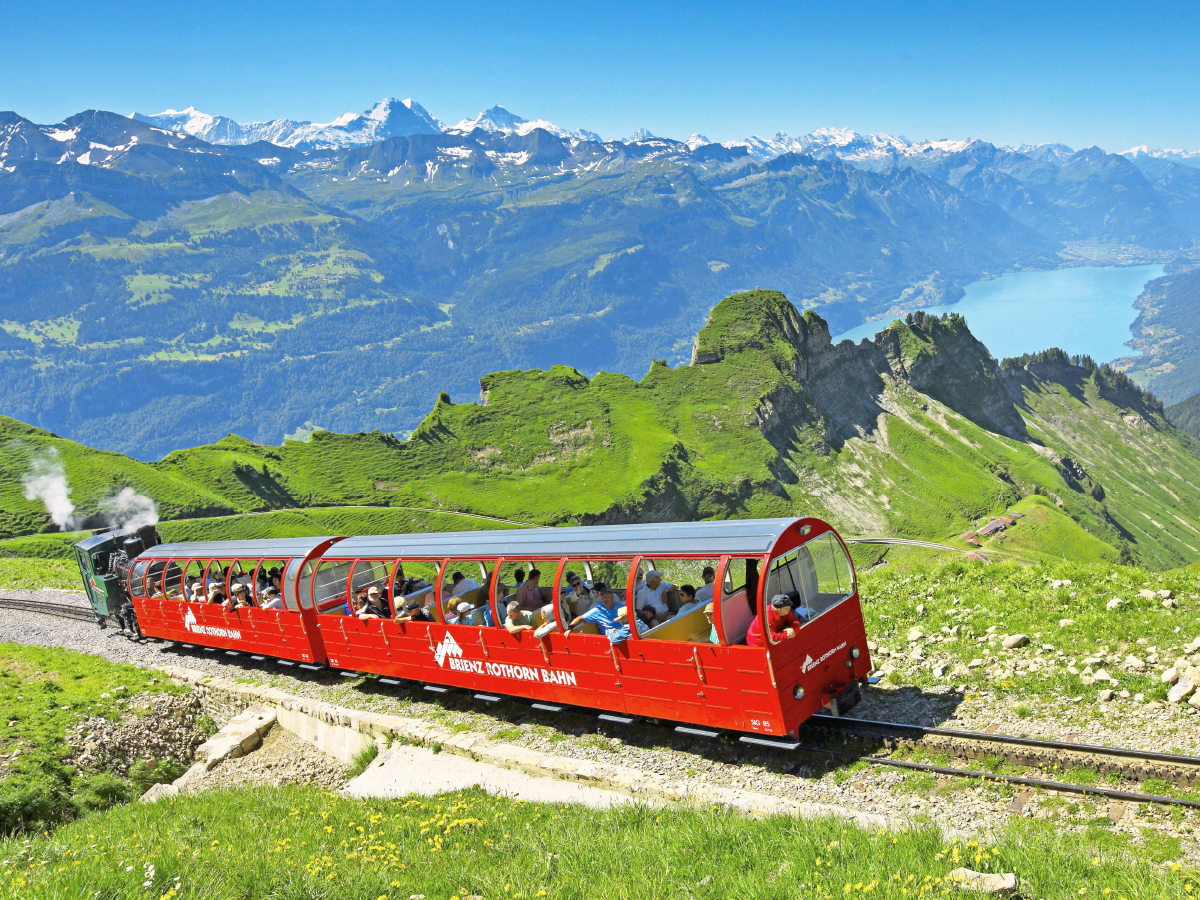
(43,692)
(1021,599)
(301,843)
(362,759)
(39,573)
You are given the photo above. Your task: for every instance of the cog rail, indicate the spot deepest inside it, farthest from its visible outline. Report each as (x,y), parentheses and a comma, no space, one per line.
(62,610)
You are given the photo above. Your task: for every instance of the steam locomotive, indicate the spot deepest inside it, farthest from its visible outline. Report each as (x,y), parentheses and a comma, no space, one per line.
(104,561)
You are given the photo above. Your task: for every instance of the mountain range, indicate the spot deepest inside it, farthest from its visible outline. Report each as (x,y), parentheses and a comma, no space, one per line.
(158,290)
(917,432)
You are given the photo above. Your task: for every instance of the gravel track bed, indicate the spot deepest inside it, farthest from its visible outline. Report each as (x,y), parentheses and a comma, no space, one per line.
(956,805)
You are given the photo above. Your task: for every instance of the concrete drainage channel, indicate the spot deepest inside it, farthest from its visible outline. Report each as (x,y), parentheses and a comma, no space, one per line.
(406,762)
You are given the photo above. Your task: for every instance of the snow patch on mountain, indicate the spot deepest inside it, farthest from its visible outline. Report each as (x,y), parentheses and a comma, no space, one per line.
(498,119)
(875,151)
(1186,157)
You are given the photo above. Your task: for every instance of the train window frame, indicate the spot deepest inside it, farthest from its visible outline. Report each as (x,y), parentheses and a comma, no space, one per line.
(330,563)
(665,562)
(298,568)
(589,562)
(133,571)
(540,563)
(152,572)
(200,564)
(166,588)
(830,537)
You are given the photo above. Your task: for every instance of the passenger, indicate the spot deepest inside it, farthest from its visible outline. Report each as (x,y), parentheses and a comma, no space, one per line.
(215,594)
(581,598)
(604,616)
(365,610)
(378,602)
(413,611)
(518,578)
(272,599)
(156,590)
(688,602)
(462,584)
(713,638)
(781,621)
(462,614)
(240,597)
(198,591)
(519,619)
(650,606)
(529,595)
(705,594)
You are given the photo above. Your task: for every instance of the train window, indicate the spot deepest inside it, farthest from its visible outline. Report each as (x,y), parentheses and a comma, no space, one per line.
(172,580)
(830,579)
(216,580)
(297,581)
(193,578)
(136,574)
(368,573)
(329,586)
(739,603)
(472,587)
(154,579)
(679,618)
(612,573)
(413,581)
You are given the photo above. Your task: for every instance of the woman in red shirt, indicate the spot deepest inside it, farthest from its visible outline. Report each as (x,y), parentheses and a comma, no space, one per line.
(782,622)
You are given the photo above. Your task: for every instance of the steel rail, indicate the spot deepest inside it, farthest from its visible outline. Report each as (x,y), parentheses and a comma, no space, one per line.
(62,610)
(1096,749)
(908,543)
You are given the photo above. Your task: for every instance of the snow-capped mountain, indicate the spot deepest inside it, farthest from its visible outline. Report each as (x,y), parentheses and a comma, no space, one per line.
(875,151)
(1186,157)
(387,118)
(499,119)
(1044,152)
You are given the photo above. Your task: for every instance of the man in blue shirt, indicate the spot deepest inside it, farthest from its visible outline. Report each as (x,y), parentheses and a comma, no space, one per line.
(604,616)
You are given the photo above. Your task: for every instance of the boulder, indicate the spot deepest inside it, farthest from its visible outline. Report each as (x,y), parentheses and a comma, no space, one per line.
(1147,594)
(1114,603)
(975,663)
(1015,640)
(1170,676)
(918,653)
(999,883)
(1106,695)
(1169,603)
(1065,623)
(1102,675)
(915,634)
(159,792)
(1165,595)
(1181,690)
(1134,663)
(920,609)
(1194,700)
(939,671)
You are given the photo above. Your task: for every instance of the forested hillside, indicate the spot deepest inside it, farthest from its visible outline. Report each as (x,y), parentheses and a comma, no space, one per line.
(916,433)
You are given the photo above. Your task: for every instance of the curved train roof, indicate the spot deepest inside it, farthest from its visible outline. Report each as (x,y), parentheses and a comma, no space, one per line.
(255,548)
(593,541)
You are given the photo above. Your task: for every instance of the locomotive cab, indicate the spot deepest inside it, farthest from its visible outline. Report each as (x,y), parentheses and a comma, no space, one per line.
(104,560)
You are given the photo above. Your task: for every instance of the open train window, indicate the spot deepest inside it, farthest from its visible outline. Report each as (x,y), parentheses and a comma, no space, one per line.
(412,580)
(329,586)
(818,573)
(172,579)
(684,618)
(467,581)
(136,574)
(612,573)
(154,579)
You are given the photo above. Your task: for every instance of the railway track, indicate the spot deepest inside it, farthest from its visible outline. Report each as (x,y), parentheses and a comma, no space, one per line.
(62,610)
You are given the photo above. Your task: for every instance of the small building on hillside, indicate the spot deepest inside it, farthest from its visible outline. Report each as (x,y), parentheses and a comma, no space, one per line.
(991,527)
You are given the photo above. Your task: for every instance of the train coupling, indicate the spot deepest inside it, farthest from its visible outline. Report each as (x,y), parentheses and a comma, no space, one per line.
(845,700)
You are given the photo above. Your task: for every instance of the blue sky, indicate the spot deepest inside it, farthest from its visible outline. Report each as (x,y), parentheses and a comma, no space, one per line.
(1110,74)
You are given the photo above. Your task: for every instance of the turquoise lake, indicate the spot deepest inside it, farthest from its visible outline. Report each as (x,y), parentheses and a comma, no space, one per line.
(1085,310)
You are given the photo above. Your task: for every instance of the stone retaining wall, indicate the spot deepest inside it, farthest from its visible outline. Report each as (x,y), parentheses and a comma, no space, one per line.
(344,732)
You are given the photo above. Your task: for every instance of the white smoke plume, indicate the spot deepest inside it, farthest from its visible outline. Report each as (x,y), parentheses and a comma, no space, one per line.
(46,480)
(129,510)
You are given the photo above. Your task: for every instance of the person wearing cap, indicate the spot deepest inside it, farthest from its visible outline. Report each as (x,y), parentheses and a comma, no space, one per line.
(377,603)
(462,614)
(413,611)
(604,616)
(713,637)
(240,596)
(650,605)
(215,594)
(579,597)
(782,623)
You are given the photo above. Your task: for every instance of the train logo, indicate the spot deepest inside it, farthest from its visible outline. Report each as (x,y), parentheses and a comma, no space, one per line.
(448,647)
(810,663)
(189,622)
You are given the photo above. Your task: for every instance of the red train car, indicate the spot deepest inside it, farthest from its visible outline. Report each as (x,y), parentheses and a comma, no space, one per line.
(682,664)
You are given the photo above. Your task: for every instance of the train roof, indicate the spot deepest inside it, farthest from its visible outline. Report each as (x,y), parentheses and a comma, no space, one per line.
(593,541)
(255,548)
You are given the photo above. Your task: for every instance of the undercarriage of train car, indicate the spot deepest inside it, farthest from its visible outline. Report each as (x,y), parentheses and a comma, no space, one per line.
(104,562)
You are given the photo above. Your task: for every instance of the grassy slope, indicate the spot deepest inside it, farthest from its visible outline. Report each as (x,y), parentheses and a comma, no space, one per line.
(553,446)
(1185,415)
(296,842)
